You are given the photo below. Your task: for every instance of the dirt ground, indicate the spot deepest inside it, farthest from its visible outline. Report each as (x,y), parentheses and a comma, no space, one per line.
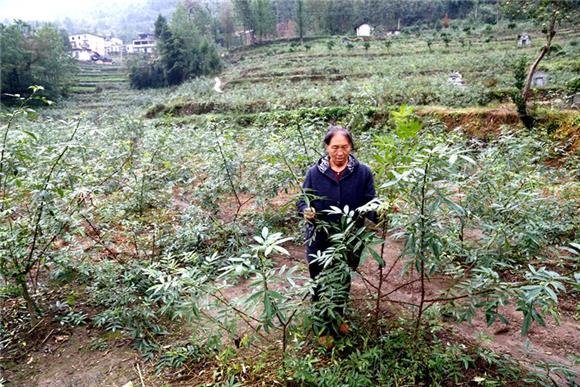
(554,343)
(66,357)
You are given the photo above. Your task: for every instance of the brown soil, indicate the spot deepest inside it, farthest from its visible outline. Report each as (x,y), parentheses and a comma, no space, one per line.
(66,359)
(481,123)
(554,343)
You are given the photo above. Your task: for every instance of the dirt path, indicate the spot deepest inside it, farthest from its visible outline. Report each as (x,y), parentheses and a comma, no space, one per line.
(67,359)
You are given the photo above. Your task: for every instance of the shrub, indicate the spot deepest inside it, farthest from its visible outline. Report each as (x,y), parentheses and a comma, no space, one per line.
(574,85)
(144,74)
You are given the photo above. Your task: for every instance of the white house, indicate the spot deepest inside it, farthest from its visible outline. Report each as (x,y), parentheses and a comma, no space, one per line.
(145,44)
(87,42)
(114,46)
(246,37)
(363,30)
(83,55)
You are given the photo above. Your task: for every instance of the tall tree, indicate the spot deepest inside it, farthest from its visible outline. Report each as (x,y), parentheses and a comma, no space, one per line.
(300,19)
(244,14)
(170,52)
(316,12)
(548,14)
(340,17)
(264,18)
(35,57)
(226,21)
(184,52)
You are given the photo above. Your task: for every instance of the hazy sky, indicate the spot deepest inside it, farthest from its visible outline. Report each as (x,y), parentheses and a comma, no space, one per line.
(50,10)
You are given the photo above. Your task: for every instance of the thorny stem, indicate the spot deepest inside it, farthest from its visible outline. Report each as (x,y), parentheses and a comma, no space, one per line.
(391,301)
(291,170)
(380,288)
(366,282)
(144,178)
(302,139)
(222,326)
(422,245)
(246,318)
(30,262)
(99,238)
(230,179)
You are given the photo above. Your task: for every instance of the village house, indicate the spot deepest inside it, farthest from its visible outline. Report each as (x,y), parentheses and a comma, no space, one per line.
(456,79)
(286,29)
(90,47)
(363,30)
(114,46)
(86,47)
(144,44)
(245,37)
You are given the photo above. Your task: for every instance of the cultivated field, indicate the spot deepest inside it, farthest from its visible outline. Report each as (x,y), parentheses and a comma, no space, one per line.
(131,219)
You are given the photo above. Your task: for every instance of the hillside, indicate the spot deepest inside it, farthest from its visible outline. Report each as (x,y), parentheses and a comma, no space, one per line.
(151,225)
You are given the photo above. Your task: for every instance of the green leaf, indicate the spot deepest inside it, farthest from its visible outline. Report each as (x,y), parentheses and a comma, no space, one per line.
(538,318)
(526,324)
(551,293)
(377,257)
(30,134)
(468,159)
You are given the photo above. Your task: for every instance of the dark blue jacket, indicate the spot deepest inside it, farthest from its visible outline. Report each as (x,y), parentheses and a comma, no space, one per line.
(355,188)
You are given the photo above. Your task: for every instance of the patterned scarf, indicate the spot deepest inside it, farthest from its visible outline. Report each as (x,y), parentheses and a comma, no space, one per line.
(324,163)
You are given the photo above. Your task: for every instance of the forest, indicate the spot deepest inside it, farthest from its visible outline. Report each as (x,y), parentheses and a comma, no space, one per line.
(149,232)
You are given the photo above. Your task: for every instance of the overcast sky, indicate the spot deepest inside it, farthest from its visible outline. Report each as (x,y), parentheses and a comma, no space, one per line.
(51,10)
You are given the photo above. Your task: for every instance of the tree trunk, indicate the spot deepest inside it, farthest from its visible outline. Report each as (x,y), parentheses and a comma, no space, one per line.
(30,304)
(526,118)
(543,52)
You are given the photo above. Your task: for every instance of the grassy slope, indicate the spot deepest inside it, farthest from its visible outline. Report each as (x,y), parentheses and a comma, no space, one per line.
(280,76)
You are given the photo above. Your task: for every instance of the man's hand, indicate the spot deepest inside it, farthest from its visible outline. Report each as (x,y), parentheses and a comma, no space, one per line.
(309,214)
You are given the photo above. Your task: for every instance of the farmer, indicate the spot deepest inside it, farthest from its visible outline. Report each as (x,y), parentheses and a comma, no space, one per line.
(337,179)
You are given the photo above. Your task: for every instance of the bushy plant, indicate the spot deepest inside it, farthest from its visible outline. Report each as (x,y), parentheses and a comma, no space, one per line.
(34,170)
(394,358)
(35,56)
(144,74)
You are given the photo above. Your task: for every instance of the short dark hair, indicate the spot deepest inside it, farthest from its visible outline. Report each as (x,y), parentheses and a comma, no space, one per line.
(334,130)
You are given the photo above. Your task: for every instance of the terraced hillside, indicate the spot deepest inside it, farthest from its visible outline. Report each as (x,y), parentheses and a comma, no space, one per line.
(412,68)
(99,77)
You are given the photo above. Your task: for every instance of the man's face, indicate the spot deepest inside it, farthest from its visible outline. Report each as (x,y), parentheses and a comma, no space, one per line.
(338,150)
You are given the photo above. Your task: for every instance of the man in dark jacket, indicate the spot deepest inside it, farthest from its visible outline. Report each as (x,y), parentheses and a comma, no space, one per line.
(337,179)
